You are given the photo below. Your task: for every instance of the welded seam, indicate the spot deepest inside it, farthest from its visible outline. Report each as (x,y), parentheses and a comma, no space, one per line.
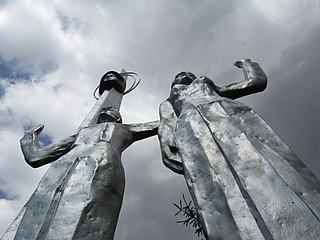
(298,195)
(55,201)
(253,143)
(195,193)
(253,209)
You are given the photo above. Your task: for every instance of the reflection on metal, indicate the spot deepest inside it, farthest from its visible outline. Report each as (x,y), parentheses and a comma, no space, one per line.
(244,180)
(80,195)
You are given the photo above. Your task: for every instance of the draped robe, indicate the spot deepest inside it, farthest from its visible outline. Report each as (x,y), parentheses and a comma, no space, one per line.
(80,196)
(246,183)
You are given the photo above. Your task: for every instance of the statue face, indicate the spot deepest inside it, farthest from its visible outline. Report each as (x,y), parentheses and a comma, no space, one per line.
(109,115)
(185,78)
(111,80)
(110,76)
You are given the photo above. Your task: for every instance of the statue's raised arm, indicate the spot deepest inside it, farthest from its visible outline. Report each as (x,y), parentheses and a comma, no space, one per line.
(255,81)
(36,156)
(245,182)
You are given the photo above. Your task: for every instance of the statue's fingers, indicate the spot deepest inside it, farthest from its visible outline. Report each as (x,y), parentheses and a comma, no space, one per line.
(175,165)
(239,64)
(37,129)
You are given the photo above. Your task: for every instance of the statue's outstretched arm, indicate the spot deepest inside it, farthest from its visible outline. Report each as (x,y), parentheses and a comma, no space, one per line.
(255,81)
(141,131)
(169,150)
(36,156)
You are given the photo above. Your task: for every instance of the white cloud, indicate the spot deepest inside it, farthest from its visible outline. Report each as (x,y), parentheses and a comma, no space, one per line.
(9,210)
(27,34)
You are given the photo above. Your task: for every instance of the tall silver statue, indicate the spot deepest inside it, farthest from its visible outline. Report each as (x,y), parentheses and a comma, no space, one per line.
(245,181)
(80,195)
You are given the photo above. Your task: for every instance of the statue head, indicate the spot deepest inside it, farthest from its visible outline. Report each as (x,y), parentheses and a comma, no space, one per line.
(185,78)
(112,79)
(109,114)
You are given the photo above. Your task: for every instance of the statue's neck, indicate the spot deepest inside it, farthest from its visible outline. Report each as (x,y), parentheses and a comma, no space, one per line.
(181,94)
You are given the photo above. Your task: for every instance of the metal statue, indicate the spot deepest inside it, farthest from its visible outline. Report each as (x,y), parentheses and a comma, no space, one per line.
(80,195)
(245,181)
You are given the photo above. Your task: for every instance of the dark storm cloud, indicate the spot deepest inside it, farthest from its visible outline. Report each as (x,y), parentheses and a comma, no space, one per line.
(151,189)
(292,102)
(171,31)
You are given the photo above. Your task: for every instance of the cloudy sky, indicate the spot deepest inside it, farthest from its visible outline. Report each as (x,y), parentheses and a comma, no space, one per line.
(53,53)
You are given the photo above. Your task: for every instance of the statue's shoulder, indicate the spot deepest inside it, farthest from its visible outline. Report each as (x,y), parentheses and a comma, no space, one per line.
(166,105)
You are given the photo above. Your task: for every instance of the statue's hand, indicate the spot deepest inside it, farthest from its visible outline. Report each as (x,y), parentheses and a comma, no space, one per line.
(36,156)
(38,129)
(35,130)
(241,63)
(171,159)
(31,136)
(255,80)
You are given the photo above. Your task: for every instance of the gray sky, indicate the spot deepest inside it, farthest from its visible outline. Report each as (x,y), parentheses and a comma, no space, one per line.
(53,53)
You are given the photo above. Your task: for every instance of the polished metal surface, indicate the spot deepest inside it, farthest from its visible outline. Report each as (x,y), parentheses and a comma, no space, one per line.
(111,98)
(80,195)
(245,181)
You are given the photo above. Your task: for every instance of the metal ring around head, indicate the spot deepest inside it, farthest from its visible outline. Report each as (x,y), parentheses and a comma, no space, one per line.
(131,88)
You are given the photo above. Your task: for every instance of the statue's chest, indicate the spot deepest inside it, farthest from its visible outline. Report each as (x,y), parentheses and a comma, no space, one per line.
(195,104)
(94,134)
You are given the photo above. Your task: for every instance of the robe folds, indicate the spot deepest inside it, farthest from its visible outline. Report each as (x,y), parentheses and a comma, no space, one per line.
(80,196)
(246,183)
